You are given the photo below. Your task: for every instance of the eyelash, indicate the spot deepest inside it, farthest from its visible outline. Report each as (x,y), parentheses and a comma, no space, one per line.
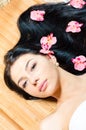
(33,66)
(25,83)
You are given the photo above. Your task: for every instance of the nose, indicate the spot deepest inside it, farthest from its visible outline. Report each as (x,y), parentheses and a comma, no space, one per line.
(33,80)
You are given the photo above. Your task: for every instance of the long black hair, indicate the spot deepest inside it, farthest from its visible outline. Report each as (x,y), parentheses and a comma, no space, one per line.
(68,46)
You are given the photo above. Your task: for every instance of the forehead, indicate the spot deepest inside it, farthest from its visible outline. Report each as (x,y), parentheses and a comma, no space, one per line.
(25,57)
(21,60)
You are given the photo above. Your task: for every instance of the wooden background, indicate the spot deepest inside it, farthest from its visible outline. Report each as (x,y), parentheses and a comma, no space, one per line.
(15,112)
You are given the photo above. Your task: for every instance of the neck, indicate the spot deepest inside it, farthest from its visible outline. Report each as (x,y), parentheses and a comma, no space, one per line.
(70,85)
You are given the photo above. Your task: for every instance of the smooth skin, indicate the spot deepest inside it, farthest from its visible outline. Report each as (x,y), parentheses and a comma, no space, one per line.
(42,77)
(31,71)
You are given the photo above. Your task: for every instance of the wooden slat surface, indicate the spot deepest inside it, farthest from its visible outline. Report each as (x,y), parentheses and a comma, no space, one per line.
(15,112)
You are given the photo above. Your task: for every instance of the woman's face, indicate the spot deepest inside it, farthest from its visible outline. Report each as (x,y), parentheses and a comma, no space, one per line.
(36,75)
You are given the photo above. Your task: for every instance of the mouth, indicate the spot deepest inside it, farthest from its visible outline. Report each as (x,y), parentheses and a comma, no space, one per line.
(43,86)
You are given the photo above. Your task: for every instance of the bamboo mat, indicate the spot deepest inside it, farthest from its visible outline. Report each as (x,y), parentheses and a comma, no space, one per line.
(4,2)
(15,112)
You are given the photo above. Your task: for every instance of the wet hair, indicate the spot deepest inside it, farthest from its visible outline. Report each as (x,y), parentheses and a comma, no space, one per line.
(68,45)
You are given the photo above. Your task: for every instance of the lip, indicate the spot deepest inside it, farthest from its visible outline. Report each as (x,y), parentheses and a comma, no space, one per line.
(43,86)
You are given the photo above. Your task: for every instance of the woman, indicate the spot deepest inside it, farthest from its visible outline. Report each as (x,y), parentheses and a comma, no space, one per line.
(50,60)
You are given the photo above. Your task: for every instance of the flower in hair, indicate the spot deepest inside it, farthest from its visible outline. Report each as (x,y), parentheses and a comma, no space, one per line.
(74,27)
(46,44)
(37,15)
(77,3)
(79,62)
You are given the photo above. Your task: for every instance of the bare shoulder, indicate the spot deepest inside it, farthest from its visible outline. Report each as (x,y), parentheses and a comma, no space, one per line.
(52,122)
(58,120)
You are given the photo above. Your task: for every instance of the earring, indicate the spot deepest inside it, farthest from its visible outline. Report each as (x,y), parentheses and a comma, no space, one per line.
(57,64)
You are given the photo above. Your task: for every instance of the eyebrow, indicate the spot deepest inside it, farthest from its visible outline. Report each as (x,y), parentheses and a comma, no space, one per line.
(25,69)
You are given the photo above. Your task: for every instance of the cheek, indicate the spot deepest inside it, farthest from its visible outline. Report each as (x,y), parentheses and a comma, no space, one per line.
(53,72)
(31,90)
(54,78)
(48,67)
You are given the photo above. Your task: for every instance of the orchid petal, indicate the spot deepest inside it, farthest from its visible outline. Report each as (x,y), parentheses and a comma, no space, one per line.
(37,15)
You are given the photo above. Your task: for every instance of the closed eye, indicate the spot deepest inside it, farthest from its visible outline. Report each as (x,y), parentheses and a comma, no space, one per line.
(33,66)
(24,84)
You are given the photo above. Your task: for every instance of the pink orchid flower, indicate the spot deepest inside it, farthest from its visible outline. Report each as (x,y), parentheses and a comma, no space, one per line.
(77,3)
(46,44)
(79,62)
(74,27)
(37,15)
